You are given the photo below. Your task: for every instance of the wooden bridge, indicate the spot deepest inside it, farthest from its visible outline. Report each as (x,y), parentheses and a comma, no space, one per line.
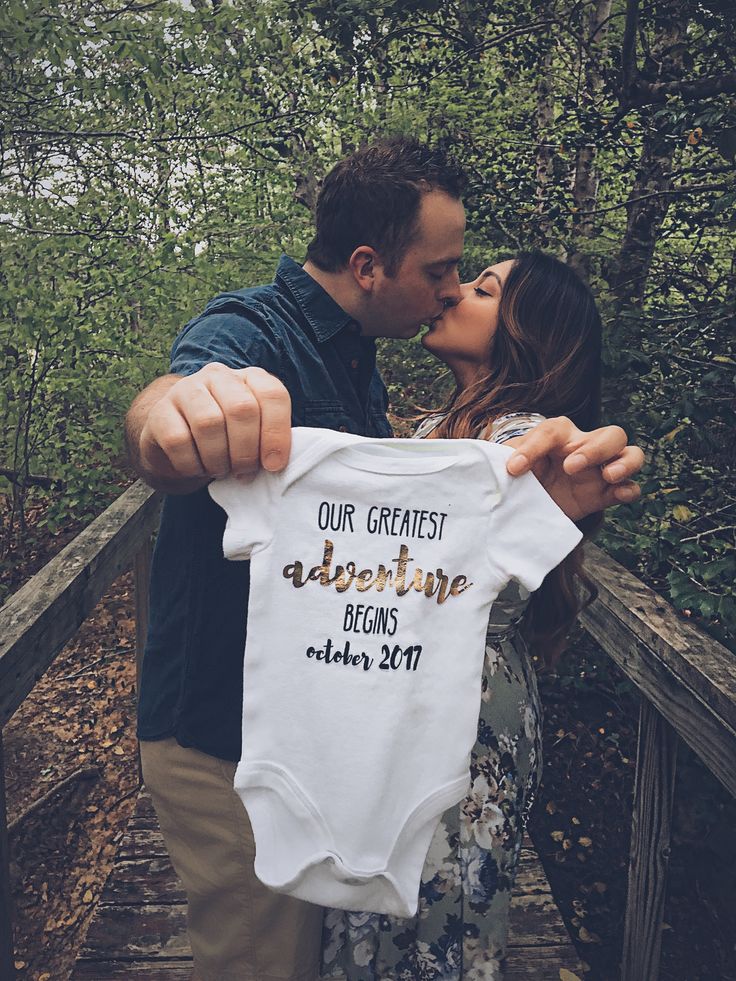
(139,928)
(687,682)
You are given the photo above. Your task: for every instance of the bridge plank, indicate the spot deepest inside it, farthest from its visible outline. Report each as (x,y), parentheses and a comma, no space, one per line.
(139,927)
(147,970)
(143,881)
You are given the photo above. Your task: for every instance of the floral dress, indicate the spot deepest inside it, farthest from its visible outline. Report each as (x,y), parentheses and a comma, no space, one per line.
(461,926)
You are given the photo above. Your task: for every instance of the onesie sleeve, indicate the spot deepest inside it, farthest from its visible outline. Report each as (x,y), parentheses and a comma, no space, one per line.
(250,505)
(528,533)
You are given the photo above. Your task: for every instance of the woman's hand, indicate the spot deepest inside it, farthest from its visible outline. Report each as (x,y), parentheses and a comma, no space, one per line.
(582,472)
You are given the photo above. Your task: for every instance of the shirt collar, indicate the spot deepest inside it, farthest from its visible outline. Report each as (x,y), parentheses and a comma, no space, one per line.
(325,317)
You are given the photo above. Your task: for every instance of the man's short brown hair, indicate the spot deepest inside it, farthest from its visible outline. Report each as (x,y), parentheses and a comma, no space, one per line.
(373,198)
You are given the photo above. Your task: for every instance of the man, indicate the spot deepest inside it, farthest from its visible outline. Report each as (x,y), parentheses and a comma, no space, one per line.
(384,261)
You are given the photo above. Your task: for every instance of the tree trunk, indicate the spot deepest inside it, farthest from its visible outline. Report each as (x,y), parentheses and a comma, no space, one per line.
(545,152)
(647,206)
(585,185)
(645,217)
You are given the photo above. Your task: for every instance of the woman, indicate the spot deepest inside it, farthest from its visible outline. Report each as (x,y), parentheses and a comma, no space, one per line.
(523,343)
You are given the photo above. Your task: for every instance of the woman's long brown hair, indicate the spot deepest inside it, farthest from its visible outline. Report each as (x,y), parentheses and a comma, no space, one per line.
(545,357)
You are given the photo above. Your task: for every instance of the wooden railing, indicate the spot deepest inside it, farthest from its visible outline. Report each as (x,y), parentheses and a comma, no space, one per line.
(686,678)
(38,620)
(688,685)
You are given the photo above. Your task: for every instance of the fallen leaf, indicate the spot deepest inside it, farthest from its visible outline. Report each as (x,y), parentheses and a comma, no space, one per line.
(566,975)
(88,896)
(586,842)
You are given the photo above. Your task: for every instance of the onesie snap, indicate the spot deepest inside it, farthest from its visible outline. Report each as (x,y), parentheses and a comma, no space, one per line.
(374,564)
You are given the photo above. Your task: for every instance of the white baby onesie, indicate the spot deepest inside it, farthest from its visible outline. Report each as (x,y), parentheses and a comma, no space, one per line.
(374,563)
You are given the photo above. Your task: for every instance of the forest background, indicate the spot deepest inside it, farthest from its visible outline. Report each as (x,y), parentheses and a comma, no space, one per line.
(156,153)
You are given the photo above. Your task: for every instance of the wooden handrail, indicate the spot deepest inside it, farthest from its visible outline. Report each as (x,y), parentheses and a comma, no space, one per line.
(688,686)
(684,672)
(687,680)
(39,619)
(43,614)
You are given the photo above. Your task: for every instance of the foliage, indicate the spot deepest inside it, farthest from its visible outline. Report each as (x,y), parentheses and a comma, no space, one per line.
(154,154)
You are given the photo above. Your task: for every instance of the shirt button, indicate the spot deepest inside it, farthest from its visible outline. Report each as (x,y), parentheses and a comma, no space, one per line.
(354,363)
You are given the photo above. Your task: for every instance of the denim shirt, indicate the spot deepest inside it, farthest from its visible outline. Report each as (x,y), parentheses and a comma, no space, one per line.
(192,678)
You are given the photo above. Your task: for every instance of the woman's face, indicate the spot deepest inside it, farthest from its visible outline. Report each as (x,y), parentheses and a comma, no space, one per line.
(463,333)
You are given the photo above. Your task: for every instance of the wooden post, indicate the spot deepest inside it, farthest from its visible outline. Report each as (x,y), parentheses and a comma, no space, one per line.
(650,845)
(142,582)
(7,956)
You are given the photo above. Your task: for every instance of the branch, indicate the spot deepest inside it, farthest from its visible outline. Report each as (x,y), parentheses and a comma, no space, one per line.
(695,189)
(131,7)
(710,531)
(629,70)
(702,171)
(23,480)
(96,235)
(83,773)
(692,89)
(108,651)
(481,47)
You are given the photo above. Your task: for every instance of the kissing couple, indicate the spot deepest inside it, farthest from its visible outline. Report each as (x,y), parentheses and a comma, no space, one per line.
(523,342)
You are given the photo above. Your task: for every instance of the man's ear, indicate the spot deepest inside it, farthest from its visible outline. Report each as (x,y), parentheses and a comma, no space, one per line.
(362,264)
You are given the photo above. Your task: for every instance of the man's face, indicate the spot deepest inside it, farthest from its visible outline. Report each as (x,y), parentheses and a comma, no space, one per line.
(427,276)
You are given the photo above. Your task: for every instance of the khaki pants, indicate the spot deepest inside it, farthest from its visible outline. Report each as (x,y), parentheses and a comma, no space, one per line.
(239,930)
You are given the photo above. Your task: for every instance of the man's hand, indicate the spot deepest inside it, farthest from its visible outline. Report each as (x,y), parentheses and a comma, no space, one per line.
(183,431)
(582,472)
